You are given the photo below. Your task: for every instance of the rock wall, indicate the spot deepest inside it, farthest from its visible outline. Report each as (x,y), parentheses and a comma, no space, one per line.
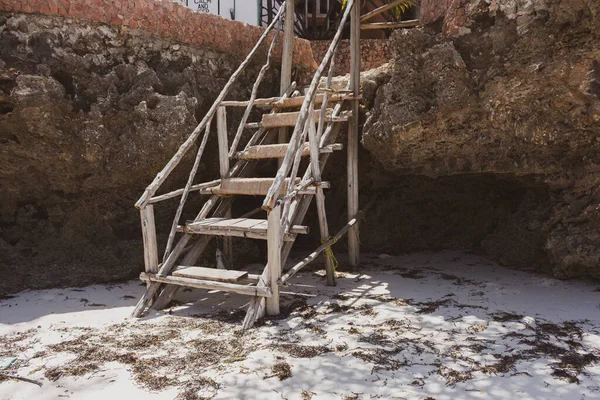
(165,19)
(373,52)
(496,122)
(89,113)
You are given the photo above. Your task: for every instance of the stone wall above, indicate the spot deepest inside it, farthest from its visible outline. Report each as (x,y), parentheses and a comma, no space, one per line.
(165,19)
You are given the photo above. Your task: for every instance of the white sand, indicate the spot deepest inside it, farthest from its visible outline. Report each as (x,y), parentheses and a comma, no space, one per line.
(381,343)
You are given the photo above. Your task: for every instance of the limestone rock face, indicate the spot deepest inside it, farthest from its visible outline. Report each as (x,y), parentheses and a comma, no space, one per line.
(88,115)
(513,95)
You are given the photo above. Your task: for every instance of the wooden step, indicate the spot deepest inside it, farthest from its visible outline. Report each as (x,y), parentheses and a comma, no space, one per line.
(238,227)
(278,120)
(291,102)
(279,150)
(245,289)
(211,274)
(253,187)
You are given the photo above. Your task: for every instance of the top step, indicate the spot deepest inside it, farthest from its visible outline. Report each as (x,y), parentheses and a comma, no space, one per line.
(291,102)
(278,120)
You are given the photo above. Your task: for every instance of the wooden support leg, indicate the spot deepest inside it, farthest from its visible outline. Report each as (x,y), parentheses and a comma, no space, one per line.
(329,267)
(224,171)
(165,269)
(352,165)
(190,258)
(149,237)
(274,242)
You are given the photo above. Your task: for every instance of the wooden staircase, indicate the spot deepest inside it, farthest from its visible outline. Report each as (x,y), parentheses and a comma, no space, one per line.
(316,118)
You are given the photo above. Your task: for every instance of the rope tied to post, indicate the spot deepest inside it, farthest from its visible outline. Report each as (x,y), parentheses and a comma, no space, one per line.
(328,252)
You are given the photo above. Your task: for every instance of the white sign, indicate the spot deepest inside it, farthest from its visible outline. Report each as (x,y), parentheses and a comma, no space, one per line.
(239,10)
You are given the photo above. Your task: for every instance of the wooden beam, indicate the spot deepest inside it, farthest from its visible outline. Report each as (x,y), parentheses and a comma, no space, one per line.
(287,61)
(210,274)
(274,242)
(149,238)
(210,285)
(178,192)
(390,25)
(352,160)
(292,102)
(224,172)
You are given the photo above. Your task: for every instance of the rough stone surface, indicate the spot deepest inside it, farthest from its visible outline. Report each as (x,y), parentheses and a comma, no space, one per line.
(373,52)
(88,115)
(511,105)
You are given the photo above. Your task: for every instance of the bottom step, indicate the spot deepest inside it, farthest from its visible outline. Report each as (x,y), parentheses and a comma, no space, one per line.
(261,291)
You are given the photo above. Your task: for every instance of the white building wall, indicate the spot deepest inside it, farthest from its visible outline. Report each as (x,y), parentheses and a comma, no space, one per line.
(240,10)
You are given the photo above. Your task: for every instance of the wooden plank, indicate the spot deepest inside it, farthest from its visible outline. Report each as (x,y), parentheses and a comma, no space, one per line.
(390,25)
(384,8)
(352,159)
(259,231)
(279,150)
(288,119)
(165,269)
(292,102)
(274,242)
(210,274)
(176,159)
(149,239)
(251,187)
(210,285)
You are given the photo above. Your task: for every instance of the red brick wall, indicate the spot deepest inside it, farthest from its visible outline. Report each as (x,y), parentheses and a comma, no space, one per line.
(165,19)
(374,53)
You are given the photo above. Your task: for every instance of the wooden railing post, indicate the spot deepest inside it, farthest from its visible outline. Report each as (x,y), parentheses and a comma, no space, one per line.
(149,238)
(352,163)
(224,171)
(274,242)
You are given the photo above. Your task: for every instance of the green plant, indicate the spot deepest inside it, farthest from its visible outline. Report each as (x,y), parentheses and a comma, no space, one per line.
(396,11)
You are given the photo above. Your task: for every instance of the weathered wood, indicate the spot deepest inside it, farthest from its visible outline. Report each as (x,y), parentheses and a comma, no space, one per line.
(162,175)
(352,159)
(149,238)
(186,191)
(165,269)
(178,192)
(210,274)
(210,285)
(320,197)
(252,187)
(261,75)
(279,150)
(286,164)
(238,227)
(390,25)
(274,243)
(286,277)
(384,8)
(292,102)
(289,119)
(286,61)
(224,172)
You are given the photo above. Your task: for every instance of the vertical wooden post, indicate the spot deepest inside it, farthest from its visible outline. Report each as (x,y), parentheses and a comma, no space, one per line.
(320,197)
(286,62)
(149,237)
(274,241)
(352,167)
(224,171)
